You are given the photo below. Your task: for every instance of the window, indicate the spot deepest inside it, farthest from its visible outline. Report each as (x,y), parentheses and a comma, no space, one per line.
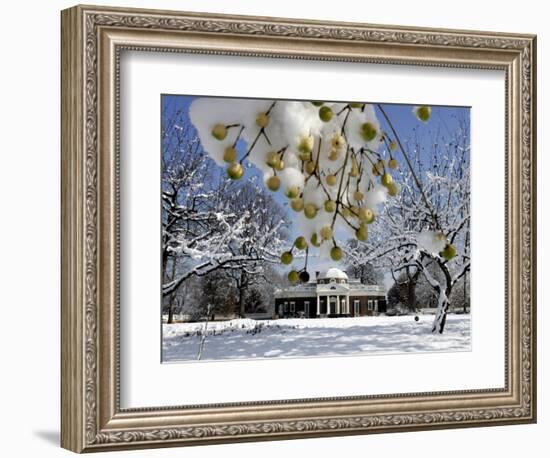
(280,309)
(292,307)
(306,308)
(356,307)
(344,306)
(370,305)
(286,307)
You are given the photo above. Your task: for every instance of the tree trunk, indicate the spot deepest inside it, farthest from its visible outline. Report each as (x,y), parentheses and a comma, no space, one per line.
(466,276)
(441,312)
(173,295)
(170,313)
(204,333)
(241,286)
(465,306)
(411,289)
(443,301)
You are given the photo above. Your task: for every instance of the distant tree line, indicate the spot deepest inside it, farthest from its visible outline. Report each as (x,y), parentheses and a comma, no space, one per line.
(220,238)
(223,296)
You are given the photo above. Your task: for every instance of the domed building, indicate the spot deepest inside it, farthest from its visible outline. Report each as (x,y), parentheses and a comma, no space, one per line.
(330,294)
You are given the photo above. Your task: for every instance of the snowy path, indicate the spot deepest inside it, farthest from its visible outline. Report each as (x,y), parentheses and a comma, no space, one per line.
(292,338)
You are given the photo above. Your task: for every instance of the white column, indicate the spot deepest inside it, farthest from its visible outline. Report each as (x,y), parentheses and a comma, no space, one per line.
(318,306)
(347,304)
(337,305)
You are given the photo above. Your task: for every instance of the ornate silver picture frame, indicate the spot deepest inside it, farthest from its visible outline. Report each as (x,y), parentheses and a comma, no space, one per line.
(93,39)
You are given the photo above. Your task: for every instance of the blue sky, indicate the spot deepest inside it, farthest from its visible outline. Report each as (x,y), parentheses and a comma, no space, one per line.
(444,122)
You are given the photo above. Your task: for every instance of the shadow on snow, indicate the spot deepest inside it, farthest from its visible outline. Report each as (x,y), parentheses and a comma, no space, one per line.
(284,341)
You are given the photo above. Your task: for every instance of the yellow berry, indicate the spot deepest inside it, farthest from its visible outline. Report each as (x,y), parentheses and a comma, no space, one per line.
(292,192)
(273,183)
(325,113)
(286,257)
(336,253)
(262,120)
(330,206)
(386,179)
(449,252)
(305,157)
(229,154)
(297,204)
(392,164)
(293,276)
(272,159)
(219,132)
(326,232)
(392,189)
(362,233)
(423,113)
(365,214)
(235,171)
(310,167)
(331,180)
(358,195)
(305,146)
(354,167)
(300,243)
(315,240)
(338,141)
(280,165)
(368,131)
(310,211)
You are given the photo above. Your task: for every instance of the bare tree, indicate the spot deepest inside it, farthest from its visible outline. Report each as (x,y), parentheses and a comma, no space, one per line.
(263,215)
(208,221)
(434,201)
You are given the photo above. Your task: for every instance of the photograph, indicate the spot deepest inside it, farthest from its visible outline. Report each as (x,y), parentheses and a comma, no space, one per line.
(312,228)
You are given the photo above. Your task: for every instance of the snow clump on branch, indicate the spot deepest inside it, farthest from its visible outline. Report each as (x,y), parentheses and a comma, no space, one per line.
(324,156)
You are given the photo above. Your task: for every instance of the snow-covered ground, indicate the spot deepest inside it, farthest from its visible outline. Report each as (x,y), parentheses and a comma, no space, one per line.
(296,338)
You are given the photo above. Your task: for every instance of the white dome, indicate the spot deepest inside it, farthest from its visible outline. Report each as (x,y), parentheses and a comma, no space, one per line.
(333,272)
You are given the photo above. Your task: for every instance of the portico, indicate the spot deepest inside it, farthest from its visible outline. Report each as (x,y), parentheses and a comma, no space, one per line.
(336,305)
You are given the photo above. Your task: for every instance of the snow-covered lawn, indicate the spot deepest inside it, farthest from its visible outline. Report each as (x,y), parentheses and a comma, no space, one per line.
(294,338)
